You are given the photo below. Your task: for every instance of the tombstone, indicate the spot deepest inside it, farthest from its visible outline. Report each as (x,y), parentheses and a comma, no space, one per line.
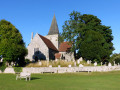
(75,64)
(80,65)
(1,59)
(81,59)
(109,64)
(59,66)
(95,64)
(69,66)
(101,63)
(12,63)
(78,61)
(40,63)
(56,60)
(118,64)
(114,63)
(105,64)
(88,62)
(50,65)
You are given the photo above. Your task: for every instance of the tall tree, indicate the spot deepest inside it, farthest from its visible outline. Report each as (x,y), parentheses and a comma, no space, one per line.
(76,29)
(12,46)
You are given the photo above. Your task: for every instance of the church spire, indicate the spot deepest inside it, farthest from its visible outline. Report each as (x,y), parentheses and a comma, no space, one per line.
(54,27)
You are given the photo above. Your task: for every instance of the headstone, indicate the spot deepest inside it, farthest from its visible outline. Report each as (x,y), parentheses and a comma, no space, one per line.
(78,61)
(50,65)
(75,64)
(12,63)
(69,66)
(81,59)
(95,64)
(109,64)
(118,64)
(101,63)
(56,60)
(114,63)
(88,62)
(40,63)
(80,65)
(59,66)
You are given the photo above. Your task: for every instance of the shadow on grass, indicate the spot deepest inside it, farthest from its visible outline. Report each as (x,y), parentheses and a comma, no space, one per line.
(34,78)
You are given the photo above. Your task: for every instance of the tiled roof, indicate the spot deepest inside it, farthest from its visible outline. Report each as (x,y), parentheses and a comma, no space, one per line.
(57,56)
(48,43)
(65,46)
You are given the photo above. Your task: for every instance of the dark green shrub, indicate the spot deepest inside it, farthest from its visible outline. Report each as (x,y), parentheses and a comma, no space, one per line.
(2,68)
(18,69)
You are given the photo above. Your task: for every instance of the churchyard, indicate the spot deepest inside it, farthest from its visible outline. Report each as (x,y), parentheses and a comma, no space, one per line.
(67,81)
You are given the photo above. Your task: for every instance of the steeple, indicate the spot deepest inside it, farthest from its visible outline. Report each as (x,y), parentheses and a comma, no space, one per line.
(54,27)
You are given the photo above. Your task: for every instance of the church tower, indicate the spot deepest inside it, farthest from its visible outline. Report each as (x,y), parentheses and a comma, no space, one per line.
(53,34)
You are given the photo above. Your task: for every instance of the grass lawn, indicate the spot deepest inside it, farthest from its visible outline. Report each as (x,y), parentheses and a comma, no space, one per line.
(68,81)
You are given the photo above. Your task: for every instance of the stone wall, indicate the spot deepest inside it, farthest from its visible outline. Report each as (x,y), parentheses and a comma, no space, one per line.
(70,69)
(65,69)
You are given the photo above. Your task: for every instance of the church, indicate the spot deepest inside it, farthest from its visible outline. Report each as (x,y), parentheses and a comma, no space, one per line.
(48,47)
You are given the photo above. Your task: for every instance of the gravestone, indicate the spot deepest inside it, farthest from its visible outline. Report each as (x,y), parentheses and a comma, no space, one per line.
(50,65)
(109,64)
(59,66)
(69,66)
(78,61)
(80,65)
(40,63)
(88,62)
(101,63)
(95,64)
(75,64)
(81,59)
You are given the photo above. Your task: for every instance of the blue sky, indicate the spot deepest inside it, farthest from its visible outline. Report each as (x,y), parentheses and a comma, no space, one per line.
(36,15)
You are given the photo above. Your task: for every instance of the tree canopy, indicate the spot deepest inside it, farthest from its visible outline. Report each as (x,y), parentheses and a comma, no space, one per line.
(12,46)
(90,38)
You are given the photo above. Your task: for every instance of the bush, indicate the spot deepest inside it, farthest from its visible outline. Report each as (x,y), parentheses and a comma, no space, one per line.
(115,57)
(18,69)
(2,68)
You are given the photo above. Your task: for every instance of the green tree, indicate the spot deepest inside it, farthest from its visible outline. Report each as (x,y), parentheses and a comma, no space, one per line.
(115,57)
(76,29)
(12,46)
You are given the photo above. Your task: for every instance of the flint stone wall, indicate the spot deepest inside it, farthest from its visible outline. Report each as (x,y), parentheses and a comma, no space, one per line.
(70,69)
(64,69)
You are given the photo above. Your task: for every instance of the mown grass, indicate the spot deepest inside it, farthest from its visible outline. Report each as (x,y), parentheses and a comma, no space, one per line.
(68,81)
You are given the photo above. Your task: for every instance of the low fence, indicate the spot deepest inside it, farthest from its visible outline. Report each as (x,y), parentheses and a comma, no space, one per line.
(64,69)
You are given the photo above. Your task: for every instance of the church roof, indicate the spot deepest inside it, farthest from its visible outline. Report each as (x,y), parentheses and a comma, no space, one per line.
(54,27)
(65,46)
(48,43)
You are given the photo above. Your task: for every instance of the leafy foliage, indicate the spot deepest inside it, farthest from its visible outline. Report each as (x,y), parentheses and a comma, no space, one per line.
(12,46)
(2,68)
(81,30)
(18,69)
(115,57)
